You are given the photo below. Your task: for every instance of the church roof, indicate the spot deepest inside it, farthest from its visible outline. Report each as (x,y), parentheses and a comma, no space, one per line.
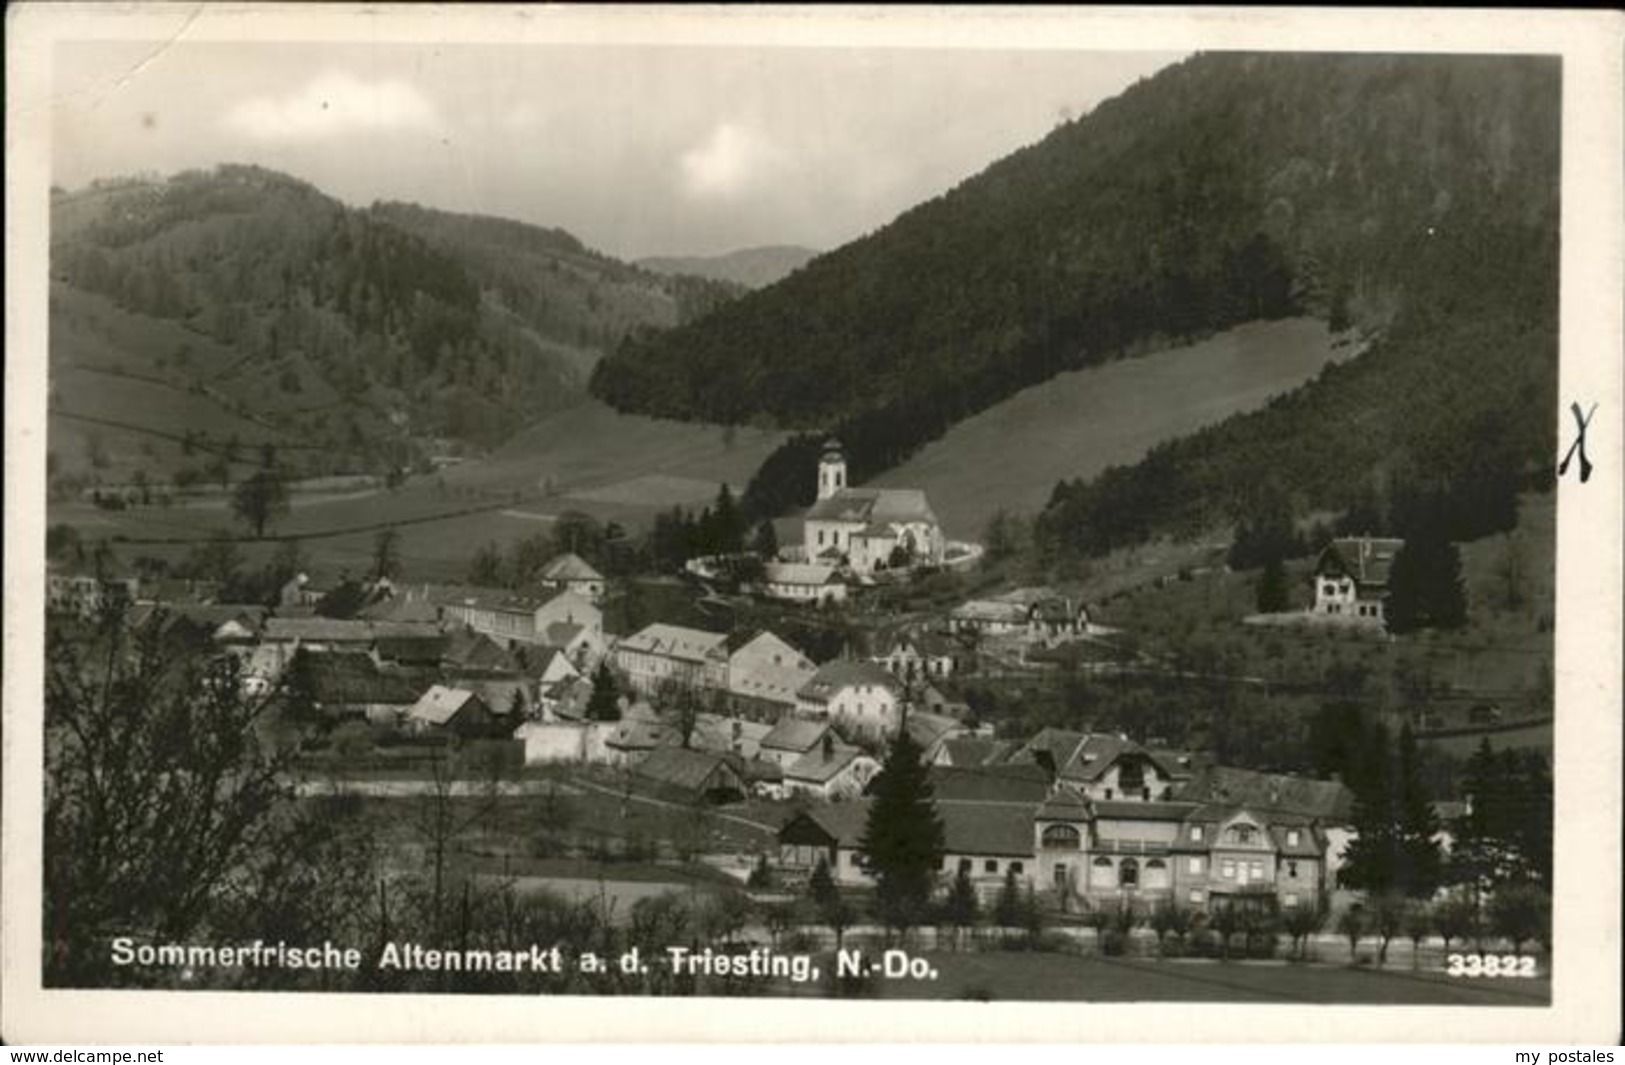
(874,506)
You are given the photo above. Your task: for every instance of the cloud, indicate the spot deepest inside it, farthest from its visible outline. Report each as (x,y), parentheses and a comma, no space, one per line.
(333,104)
(730,161)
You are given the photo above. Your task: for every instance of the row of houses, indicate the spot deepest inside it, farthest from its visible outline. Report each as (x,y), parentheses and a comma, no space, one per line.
(1205,839)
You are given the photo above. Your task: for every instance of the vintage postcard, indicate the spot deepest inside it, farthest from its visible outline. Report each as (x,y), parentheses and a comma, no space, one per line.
(927,524)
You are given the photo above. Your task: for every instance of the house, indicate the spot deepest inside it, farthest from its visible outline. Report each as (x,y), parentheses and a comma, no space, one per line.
(571,572)
(467,650)
(425,649)
(859,696)
(1100,765)
(1034,615)
(512,618)
(930,731)
(831,770)
(84,595)
(1351,579)
(733,735)
(868,529)
(988,840)
(660,653)
(803,582)
(549,742)
(989,617)
(639,731)
(691,776)
(351,685)
(332,634)
(764,675)
(791,738)
(451,710)
(920,656)
(510,699)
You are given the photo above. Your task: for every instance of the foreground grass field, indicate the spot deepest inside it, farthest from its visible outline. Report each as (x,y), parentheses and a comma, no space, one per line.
(1002,975)
(1077,424)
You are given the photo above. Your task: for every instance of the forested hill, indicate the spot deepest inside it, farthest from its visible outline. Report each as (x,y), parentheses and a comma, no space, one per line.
(1226,188)
(339,327)
(750,267)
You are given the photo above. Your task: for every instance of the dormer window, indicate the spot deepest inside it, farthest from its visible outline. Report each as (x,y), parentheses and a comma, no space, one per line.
(1291,837)
(1196,833)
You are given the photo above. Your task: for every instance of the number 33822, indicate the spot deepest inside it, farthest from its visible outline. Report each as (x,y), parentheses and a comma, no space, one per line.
(1489,965)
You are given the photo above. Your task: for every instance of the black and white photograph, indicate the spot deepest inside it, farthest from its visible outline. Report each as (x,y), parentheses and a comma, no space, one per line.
(812,509)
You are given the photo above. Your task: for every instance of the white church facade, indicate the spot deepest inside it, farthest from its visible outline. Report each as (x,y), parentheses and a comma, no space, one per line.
(869,529)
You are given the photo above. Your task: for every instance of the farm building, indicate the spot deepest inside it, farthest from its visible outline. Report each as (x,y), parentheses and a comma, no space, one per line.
(691,776)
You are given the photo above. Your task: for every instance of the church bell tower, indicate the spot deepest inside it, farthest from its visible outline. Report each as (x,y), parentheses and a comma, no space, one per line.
(831,470)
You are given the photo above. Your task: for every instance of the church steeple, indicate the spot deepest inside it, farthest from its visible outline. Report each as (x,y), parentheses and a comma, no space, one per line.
(831,469)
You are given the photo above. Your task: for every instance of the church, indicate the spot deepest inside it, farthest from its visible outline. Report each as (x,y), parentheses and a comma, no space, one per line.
(868,529)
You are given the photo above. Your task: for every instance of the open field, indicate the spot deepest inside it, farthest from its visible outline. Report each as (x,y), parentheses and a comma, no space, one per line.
(1078,423)
(591,447)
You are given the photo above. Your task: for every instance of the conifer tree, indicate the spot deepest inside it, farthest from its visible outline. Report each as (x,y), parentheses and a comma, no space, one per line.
(603,704)
(903,839)
(1272,588)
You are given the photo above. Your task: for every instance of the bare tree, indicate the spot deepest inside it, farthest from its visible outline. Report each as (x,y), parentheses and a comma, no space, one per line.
(161,796)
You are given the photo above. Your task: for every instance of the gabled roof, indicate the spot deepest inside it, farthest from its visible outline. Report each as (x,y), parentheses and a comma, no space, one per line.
(1026,784)
(1367,559)
(475,650)
(341,630)
(440,704)
(681,767)
(1066,804)
(966,752)
(675,641)
(498,693)
(874,506)
(816,767)
(1000,829)
(570,567)
(795,734)
(420,647)
(1273,794)
(498,600)
(1115,810)
(928,728)
(990,610)
(841,673)
(1099,750)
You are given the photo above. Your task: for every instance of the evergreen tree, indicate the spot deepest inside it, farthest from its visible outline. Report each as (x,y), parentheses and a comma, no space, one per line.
(727,524)
(961,907)
(903,839)
(1420,861)
(485,568)
(604,703)
(1369,861)
(1395,849)
(386,555)
(259,499)
(766,543)
(1424,584)
(1273,597)
(1506,837)
(832,908)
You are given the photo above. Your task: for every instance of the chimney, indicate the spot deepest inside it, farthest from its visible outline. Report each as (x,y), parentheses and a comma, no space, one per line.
(829,746)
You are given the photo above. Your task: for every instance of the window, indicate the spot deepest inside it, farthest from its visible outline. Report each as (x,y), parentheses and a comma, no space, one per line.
(990,866)
(1156,874)
(1194,866)
(1255,870)
(1130,776)
(1291,837)
(852,859)
(1196,897)
(1062,837)
(1128,873)
(1241,833)
(1060,876)
(1196,833)
(1328,589)
(1228,869)
(964,865)
(1292,869)
(1108,793)
(1016,868)
(1289,900)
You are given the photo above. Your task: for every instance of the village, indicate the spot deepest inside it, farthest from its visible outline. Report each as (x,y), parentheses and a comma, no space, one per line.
(424,682)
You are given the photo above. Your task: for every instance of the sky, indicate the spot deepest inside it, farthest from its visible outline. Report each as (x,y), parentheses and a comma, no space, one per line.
(637,150)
